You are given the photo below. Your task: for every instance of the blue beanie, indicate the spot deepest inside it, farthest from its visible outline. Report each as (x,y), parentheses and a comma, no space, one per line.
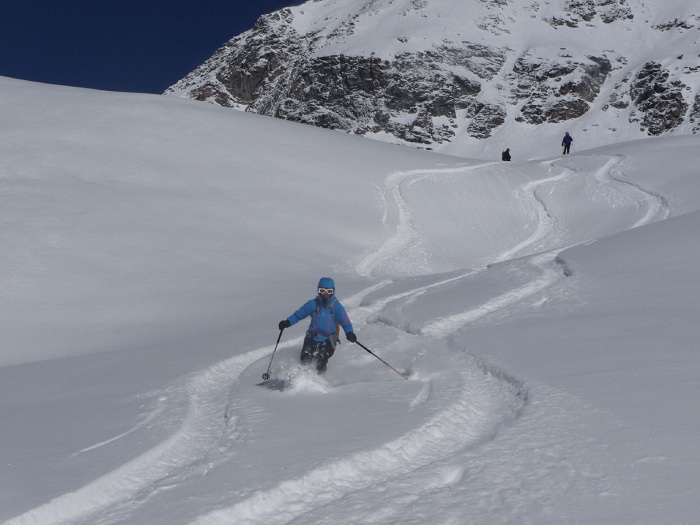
(326,282)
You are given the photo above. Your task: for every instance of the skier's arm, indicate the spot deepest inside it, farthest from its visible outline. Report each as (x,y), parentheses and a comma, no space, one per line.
(302,313)
(342,317)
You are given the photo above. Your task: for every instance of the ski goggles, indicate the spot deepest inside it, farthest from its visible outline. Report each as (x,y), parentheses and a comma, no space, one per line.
(325,291)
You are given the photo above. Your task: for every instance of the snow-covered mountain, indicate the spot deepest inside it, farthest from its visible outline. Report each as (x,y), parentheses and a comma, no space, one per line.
(468,77)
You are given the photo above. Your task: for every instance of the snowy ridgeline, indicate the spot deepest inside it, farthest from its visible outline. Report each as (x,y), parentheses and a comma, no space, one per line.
(544,313)
(468,77)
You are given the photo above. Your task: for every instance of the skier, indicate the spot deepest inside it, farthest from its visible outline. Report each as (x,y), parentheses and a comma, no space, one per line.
(506,154)
(327,316)
(566,142)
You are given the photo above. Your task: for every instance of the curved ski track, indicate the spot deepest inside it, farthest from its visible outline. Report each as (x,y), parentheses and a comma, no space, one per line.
(486,400)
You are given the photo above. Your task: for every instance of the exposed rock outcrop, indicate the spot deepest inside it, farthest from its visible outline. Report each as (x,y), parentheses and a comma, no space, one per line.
(299,65)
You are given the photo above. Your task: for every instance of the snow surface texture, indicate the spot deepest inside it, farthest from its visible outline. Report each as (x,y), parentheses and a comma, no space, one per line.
(545,313)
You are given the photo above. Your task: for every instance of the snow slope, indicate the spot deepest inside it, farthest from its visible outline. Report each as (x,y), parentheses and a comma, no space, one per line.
(544,312)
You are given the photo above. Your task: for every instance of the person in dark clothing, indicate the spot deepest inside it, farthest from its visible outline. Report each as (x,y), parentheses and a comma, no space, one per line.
(566,142)
(506,154)
(327,317)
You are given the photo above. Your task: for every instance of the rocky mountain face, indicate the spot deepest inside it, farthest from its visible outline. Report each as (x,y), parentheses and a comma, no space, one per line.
(431,73)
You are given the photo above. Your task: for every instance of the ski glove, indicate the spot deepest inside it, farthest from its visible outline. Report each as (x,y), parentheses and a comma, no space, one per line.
(284,324)
(351,337)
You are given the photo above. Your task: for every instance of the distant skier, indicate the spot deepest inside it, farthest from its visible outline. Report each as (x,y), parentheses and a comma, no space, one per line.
(506,154)
(327,316)
(566,142)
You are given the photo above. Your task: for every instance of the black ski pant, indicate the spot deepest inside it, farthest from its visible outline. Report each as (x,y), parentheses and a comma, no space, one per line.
(321,352)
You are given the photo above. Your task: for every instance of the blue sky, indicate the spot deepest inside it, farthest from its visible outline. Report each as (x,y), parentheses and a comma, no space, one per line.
(119,45)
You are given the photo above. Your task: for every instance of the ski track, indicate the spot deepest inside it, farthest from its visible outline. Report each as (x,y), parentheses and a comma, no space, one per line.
(547,225)
(487,401)
(550,273)
(406,238)
(656,205)
(207,392)
(465,422)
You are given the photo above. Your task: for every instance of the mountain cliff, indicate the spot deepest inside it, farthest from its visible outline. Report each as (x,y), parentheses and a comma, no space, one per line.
(463,76)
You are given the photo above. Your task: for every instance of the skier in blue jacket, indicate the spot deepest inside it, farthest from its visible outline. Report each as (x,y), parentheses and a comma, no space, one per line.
(327,315)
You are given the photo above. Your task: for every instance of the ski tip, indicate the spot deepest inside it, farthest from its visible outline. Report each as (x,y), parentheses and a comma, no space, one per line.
(273,384)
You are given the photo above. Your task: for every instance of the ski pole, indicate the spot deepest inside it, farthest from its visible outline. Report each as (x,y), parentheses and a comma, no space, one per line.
(266,375)
(382,360)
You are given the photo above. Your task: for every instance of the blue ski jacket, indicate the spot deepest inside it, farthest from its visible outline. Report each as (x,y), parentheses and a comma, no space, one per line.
(324,315)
